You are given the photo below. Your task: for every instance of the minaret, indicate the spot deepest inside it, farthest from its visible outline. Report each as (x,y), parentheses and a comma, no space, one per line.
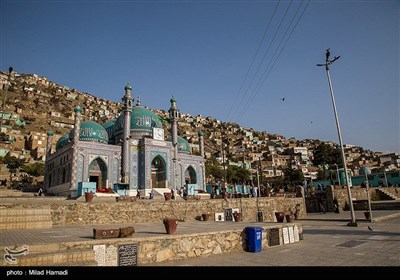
(128,105)
(48,152)
(77,128)
(201,143)
(49,142)
(174,117)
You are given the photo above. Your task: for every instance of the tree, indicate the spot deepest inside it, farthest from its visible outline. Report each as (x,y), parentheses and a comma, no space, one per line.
(236,174)
(293,175)
(325,154)
(13,164)
(214,169)
(35,169)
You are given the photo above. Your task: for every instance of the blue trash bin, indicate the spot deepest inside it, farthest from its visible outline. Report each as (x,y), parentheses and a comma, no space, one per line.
(254,237)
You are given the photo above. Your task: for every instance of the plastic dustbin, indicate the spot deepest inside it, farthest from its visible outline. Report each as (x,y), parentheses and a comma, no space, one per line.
(254,237)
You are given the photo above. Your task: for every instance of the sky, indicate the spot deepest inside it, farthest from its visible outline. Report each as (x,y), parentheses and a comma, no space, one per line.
(249,62)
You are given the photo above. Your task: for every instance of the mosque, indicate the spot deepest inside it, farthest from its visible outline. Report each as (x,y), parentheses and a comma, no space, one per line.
(123,156)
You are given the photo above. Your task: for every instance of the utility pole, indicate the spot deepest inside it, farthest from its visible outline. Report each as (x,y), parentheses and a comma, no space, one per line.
(348,182)
(261,173)
(368,197)
(258,186)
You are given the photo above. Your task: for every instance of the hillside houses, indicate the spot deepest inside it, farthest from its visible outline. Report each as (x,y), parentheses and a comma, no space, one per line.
(36,105)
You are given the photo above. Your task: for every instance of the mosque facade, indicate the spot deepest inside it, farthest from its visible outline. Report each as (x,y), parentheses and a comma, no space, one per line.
(129,154)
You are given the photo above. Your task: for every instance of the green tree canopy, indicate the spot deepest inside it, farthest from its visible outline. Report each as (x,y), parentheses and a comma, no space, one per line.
(35,169)
(236,174)
(293,175)
(214,169)
(13,164)
(326,154)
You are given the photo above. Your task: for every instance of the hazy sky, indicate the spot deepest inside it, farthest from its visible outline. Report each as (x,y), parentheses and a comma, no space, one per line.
(231,60)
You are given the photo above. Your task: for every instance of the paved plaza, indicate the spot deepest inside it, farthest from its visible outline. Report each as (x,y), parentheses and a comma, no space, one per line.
(326,243)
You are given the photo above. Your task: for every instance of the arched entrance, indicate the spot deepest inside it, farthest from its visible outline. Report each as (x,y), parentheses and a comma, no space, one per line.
(190,176)
(98,173)
(158,173)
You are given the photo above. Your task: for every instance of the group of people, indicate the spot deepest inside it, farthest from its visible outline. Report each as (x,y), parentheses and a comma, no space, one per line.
(183,193)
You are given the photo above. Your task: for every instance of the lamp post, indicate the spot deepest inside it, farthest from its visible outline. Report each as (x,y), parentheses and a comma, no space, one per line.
(368,197)
(5,96)
(347,181)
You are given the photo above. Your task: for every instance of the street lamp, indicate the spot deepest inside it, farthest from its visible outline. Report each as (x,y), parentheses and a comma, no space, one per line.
(5,96)
(368,196)
(347,181)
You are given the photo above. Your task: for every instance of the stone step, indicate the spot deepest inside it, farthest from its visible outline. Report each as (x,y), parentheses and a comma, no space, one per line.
(58,258)
(26,225)
(25,218)
(24,211)
(384,195)
(391,196)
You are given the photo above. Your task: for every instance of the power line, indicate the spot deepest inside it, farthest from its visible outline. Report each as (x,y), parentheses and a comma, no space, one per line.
(271,66)
(261,82)
(252,61)
(262,60)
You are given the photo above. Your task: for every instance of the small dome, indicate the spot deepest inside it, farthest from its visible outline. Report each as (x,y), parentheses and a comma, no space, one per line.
(128,86)
(110,127)
(142,122)
(183,145)
(78,109)
(91,131)
(200,133)
(364,170)
(62,141)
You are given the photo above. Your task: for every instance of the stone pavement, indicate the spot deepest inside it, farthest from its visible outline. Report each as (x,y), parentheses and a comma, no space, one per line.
(69,233)
(326,243)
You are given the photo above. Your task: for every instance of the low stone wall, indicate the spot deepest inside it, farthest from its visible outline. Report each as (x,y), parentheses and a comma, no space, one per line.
(357,193)
(155,249)
(143,211)
(175,247)
(155,211)
(205,244)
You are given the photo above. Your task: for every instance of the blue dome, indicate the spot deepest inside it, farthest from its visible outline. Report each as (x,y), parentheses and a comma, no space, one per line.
(142,120)
(62,141)
(183,145)
(109,127)
(91,131)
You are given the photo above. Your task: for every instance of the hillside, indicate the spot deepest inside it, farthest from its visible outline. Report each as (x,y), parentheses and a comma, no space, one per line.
(35,105)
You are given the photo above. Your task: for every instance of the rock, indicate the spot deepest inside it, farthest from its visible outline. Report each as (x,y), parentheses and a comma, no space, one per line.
(217,250)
